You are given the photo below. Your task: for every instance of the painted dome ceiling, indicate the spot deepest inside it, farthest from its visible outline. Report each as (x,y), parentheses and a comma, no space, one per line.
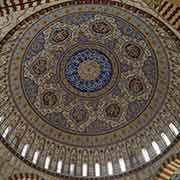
(88,80)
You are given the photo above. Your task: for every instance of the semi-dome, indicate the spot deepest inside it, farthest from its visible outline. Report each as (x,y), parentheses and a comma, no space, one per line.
(89,88)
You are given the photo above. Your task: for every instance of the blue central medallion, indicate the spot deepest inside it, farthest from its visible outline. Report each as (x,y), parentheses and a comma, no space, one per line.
(88,70)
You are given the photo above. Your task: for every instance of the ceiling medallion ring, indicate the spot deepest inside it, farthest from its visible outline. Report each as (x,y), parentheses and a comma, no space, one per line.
(51,55)
(107,67)
(57,106)
(54,57)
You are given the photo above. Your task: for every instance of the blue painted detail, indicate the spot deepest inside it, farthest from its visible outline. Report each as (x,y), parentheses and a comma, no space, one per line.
(71,70)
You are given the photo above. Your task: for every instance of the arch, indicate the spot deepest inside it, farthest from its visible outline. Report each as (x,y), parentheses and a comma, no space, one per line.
(46,156)
(109,163)
(73,162)
(145,154)
(174,129)
(25,176)
(35,157)
(37,145)
(20,130)
(122,165)
(84,169)
(97,164)
(85,163)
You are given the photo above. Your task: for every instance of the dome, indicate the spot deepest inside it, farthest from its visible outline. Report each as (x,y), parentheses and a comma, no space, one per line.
(89,89)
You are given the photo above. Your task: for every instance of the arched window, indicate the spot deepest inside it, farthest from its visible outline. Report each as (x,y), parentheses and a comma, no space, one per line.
(84,169)
(122,164)
(47,162)
(35,157)
(15,141)
(145,155)
(173,129)
(59,166)
(110,168)
(156,148)
(1,118)
(165,139)
(97,170)
(5,133)
(72,168)
(24,150)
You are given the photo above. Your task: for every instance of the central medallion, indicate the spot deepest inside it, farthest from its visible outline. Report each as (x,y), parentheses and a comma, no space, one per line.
(88,70)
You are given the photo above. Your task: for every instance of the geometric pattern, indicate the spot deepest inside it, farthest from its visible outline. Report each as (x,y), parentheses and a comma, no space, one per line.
(105,58)
(48,62)
(101,66)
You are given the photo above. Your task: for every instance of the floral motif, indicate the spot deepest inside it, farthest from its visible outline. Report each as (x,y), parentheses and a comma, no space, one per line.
(59,35)
(36,46)
(79,114)
(132,50)
(31,89)
(101,27)
(113,110)
(136,86)
(57,118)
(134,108)
(149,69)
(39,67)
(49,99)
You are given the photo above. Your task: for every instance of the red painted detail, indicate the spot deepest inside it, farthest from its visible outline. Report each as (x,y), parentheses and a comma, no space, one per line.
(13,5)
(1,12)
(30,3)
(21,3)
